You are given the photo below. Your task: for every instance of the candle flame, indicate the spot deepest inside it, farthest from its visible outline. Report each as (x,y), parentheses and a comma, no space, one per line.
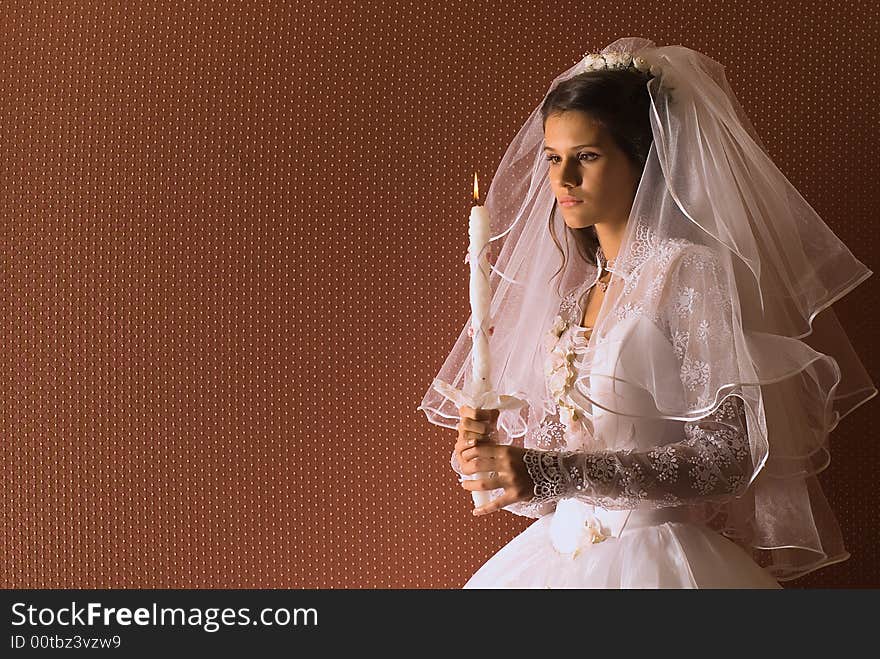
(476,189)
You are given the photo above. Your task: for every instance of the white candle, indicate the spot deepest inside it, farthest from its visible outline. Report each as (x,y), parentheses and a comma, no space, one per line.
(480,295)
(479,393)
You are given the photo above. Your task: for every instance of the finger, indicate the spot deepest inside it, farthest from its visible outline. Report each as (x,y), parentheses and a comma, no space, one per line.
(473,438)
(478,451)
(464,431)
(480,484)
(481,414)
(486,414)
(464,458)
(480,464)
(496,504)
(463,443)
(467,411)
(473,426)
(485,510)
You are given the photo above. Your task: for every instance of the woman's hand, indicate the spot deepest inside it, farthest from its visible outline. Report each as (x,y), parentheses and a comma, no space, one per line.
(476,424)
(477,452)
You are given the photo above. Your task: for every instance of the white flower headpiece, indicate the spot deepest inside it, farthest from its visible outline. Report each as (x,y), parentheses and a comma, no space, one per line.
(623,60)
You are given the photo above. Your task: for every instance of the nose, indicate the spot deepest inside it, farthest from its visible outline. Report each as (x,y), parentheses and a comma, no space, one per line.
(568,175)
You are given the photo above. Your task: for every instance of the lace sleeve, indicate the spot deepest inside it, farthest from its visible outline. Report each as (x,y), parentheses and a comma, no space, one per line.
(550,434)
(698,320)
(713,462)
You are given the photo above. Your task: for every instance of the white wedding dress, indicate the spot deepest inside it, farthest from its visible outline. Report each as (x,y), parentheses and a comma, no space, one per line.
(651,533)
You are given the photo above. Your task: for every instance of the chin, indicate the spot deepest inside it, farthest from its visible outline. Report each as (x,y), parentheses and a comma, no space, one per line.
(577,223)
(576,217)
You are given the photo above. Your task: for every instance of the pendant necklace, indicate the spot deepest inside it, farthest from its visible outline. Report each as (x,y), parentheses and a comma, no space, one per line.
(605,265)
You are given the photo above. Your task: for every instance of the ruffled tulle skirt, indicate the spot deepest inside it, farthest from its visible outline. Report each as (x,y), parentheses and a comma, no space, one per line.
(655,549)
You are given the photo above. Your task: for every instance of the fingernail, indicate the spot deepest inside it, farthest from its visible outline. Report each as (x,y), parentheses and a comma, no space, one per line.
(477,512)
(471,442)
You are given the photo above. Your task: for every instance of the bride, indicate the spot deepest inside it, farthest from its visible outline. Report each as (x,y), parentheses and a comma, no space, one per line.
(663,412)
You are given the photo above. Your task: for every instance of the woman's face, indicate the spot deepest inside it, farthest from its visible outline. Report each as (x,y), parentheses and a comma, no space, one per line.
(585,163)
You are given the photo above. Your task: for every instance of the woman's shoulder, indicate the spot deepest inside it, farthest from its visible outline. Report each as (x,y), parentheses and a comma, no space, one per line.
(670,278)
(682,263)
(651,252)
(697,255)
(694,269)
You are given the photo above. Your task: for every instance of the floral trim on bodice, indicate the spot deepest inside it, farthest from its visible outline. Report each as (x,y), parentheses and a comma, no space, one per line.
(561,372)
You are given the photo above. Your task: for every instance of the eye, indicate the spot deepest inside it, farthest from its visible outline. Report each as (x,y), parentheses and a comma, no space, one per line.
(551,157)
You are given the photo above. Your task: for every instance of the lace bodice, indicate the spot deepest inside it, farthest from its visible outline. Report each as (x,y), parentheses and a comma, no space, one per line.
(637,465)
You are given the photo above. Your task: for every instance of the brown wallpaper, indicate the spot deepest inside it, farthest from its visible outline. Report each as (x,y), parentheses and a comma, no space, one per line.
(232,261)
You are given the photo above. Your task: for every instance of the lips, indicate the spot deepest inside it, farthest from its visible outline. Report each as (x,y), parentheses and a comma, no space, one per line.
(570,202)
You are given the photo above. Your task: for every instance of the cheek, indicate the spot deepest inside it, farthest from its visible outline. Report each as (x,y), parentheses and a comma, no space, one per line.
(607,185)
(598,176)
(593,184)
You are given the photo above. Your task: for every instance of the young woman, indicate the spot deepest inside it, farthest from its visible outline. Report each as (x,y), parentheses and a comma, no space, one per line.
(672,404)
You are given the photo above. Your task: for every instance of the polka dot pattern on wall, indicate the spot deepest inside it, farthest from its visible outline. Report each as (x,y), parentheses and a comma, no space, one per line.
(233,242)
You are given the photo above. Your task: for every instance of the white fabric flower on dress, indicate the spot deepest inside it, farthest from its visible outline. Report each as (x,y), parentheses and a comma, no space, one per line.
(559,382)
(570,415)
(551,364)
(553,334)
(596,532)
(561,373)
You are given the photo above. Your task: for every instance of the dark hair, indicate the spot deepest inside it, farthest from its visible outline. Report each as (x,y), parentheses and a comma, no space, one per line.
(618,100)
